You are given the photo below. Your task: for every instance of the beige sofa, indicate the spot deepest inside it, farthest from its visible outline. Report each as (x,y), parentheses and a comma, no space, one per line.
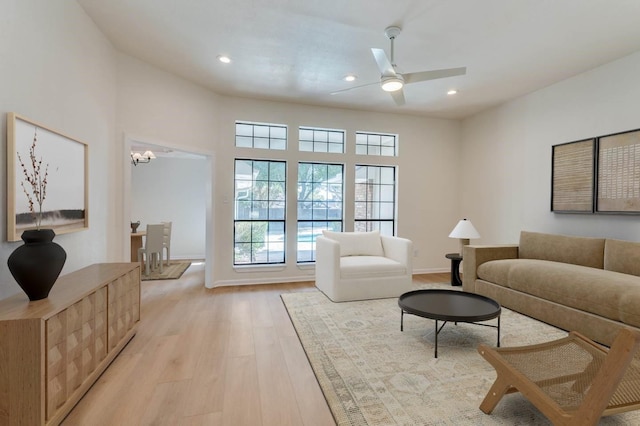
(590,285)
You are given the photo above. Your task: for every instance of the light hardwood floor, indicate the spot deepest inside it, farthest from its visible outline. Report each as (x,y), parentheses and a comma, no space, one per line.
(224,356)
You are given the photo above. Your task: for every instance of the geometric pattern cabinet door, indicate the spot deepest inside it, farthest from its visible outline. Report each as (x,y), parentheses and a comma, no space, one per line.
(73,348)
(52,350)
(124,306)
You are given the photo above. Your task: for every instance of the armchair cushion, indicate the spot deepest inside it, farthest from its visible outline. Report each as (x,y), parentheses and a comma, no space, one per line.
(368,266)
(357,243)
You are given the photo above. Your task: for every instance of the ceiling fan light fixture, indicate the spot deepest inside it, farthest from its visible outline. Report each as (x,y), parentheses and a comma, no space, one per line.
(452,92)
(350,77)
(224,59)
(392,84)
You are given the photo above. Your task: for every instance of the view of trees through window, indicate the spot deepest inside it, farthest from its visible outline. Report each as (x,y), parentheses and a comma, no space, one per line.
(320,201)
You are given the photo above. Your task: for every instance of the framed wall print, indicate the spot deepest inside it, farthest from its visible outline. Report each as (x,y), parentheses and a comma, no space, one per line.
(47,179)
(572,177)
(618,185)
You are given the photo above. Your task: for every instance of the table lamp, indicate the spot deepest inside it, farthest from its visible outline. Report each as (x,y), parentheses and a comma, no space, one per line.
(464,230)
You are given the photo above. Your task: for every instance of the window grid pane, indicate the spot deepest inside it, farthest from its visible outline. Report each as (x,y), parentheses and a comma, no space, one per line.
(260,205)
(320,205)
(377,144)
(262,136)
(321,140)
(375,202)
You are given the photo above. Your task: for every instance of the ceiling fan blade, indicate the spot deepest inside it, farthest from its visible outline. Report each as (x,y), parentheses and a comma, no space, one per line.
(415,77)
(386,69)
(398,97)
(354,87)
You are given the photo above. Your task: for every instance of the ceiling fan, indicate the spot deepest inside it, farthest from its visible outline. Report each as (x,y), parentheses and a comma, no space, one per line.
(392,81)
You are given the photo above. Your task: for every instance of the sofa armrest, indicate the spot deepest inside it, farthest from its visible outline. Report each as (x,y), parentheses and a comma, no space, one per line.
(398,249)
(474,256)
(327,261)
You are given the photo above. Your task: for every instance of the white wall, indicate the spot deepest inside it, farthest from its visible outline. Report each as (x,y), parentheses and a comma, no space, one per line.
(157,106)
(59,70)
(506,154)
(427,177)
(172,190)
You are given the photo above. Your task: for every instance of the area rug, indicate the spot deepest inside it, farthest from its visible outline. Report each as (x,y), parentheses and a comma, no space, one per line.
(371,373)
(171,272)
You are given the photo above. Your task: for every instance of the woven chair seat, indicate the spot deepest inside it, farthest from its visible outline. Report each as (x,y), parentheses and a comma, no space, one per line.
(571,380)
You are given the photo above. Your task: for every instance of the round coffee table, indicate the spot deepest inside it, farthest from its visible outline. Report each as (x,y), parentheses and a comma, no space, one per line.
(447,306)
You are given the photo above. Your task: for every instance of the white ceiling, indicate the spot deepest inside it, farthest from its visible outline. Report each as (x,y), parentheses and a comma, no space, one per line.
(299,50)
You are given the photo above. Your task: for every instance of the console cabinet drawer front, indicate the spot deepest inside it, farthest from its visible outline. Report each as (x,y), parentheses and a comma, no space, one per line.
(74,348)
(124,306)
(56,363)
(101,324)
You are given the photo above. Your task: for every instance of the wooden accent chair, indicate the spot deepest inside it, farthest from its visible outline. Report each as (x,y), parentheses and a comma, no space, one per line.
(572,381)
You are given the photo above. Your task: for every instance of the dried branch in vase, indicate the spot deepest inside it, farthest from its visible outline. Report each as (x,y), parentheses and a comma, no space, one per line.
(36,181)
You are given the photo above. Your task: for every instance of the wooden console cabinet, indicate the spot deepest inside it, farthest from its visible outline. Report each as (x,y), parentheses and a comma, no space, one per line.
(53,350)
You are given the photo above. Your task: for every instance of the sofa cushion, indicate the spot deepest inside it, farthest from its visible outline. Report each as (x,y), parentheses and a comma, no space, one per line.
(370,266)
(496,271)
(583,251)
(622,256)
(609,294)
(357,243)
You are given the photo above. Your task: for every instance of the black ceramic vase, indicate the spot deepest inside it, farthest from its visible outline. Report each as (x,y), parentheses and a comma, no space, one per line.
(37,264)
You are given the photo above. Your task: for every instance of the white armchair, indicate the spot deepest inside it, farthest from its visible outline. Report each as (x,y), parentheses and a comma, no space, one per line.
(363,265)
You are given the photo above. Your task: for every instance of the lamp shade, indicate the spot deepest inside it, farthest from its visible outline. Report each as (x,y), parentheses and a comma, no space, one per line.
(465,230)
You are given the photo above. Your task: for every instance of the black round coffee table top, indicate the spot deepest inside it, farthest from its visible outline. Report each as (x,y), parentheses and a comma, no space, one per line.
(449,305)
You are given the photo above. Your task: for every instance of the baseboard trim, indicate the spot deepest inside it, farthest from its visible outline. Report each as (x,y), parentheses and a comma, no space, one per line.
(302,278)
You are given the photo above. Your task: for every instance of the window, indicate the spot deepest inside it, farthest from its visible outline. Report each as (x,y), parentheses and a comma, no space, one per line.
(321,140)
(265,136)
(320,201)
(375,199)
(376,144)
(260,204)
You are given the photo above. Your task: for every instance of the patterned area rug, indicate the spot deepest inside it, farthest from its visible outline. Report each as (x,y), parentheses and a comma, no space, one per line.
(373,374)
(171,272)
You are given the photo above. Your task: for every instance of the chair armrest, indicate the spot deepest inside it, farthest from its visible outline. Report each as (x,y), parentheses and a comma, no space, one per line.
(474,256)
(398,249)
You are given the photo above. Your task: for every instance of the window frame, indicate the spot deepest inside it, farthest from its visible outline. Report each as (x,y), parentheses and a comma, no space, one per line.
(270,141)
(370,147)
(318,142)
(370,204)
(254,244)
(313,221)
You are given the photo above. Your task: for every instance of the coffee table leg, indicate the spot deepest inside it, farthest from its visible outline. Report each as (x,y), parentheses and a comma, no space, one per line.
(401,319)
(498,331)
(435,355)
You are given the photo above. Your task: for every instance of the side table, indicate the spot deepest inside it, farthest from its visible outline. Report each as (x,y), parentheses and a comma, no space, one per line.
(456,258)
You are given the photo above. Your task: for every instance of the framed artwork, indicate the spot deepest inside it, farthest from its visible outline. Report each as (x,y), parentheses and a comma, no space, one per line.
(47,179)
(572,177)
(618,185)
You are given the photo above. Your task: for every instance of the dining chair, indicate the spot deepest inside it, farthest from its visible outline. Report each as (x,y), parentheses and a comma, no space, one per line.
(153,245)
(166,242)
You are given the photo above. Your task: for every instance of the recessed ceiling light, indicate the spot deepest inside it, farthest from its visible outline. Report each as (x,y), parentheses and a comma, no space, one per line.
(350,77)
(224,59)
(452,92)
